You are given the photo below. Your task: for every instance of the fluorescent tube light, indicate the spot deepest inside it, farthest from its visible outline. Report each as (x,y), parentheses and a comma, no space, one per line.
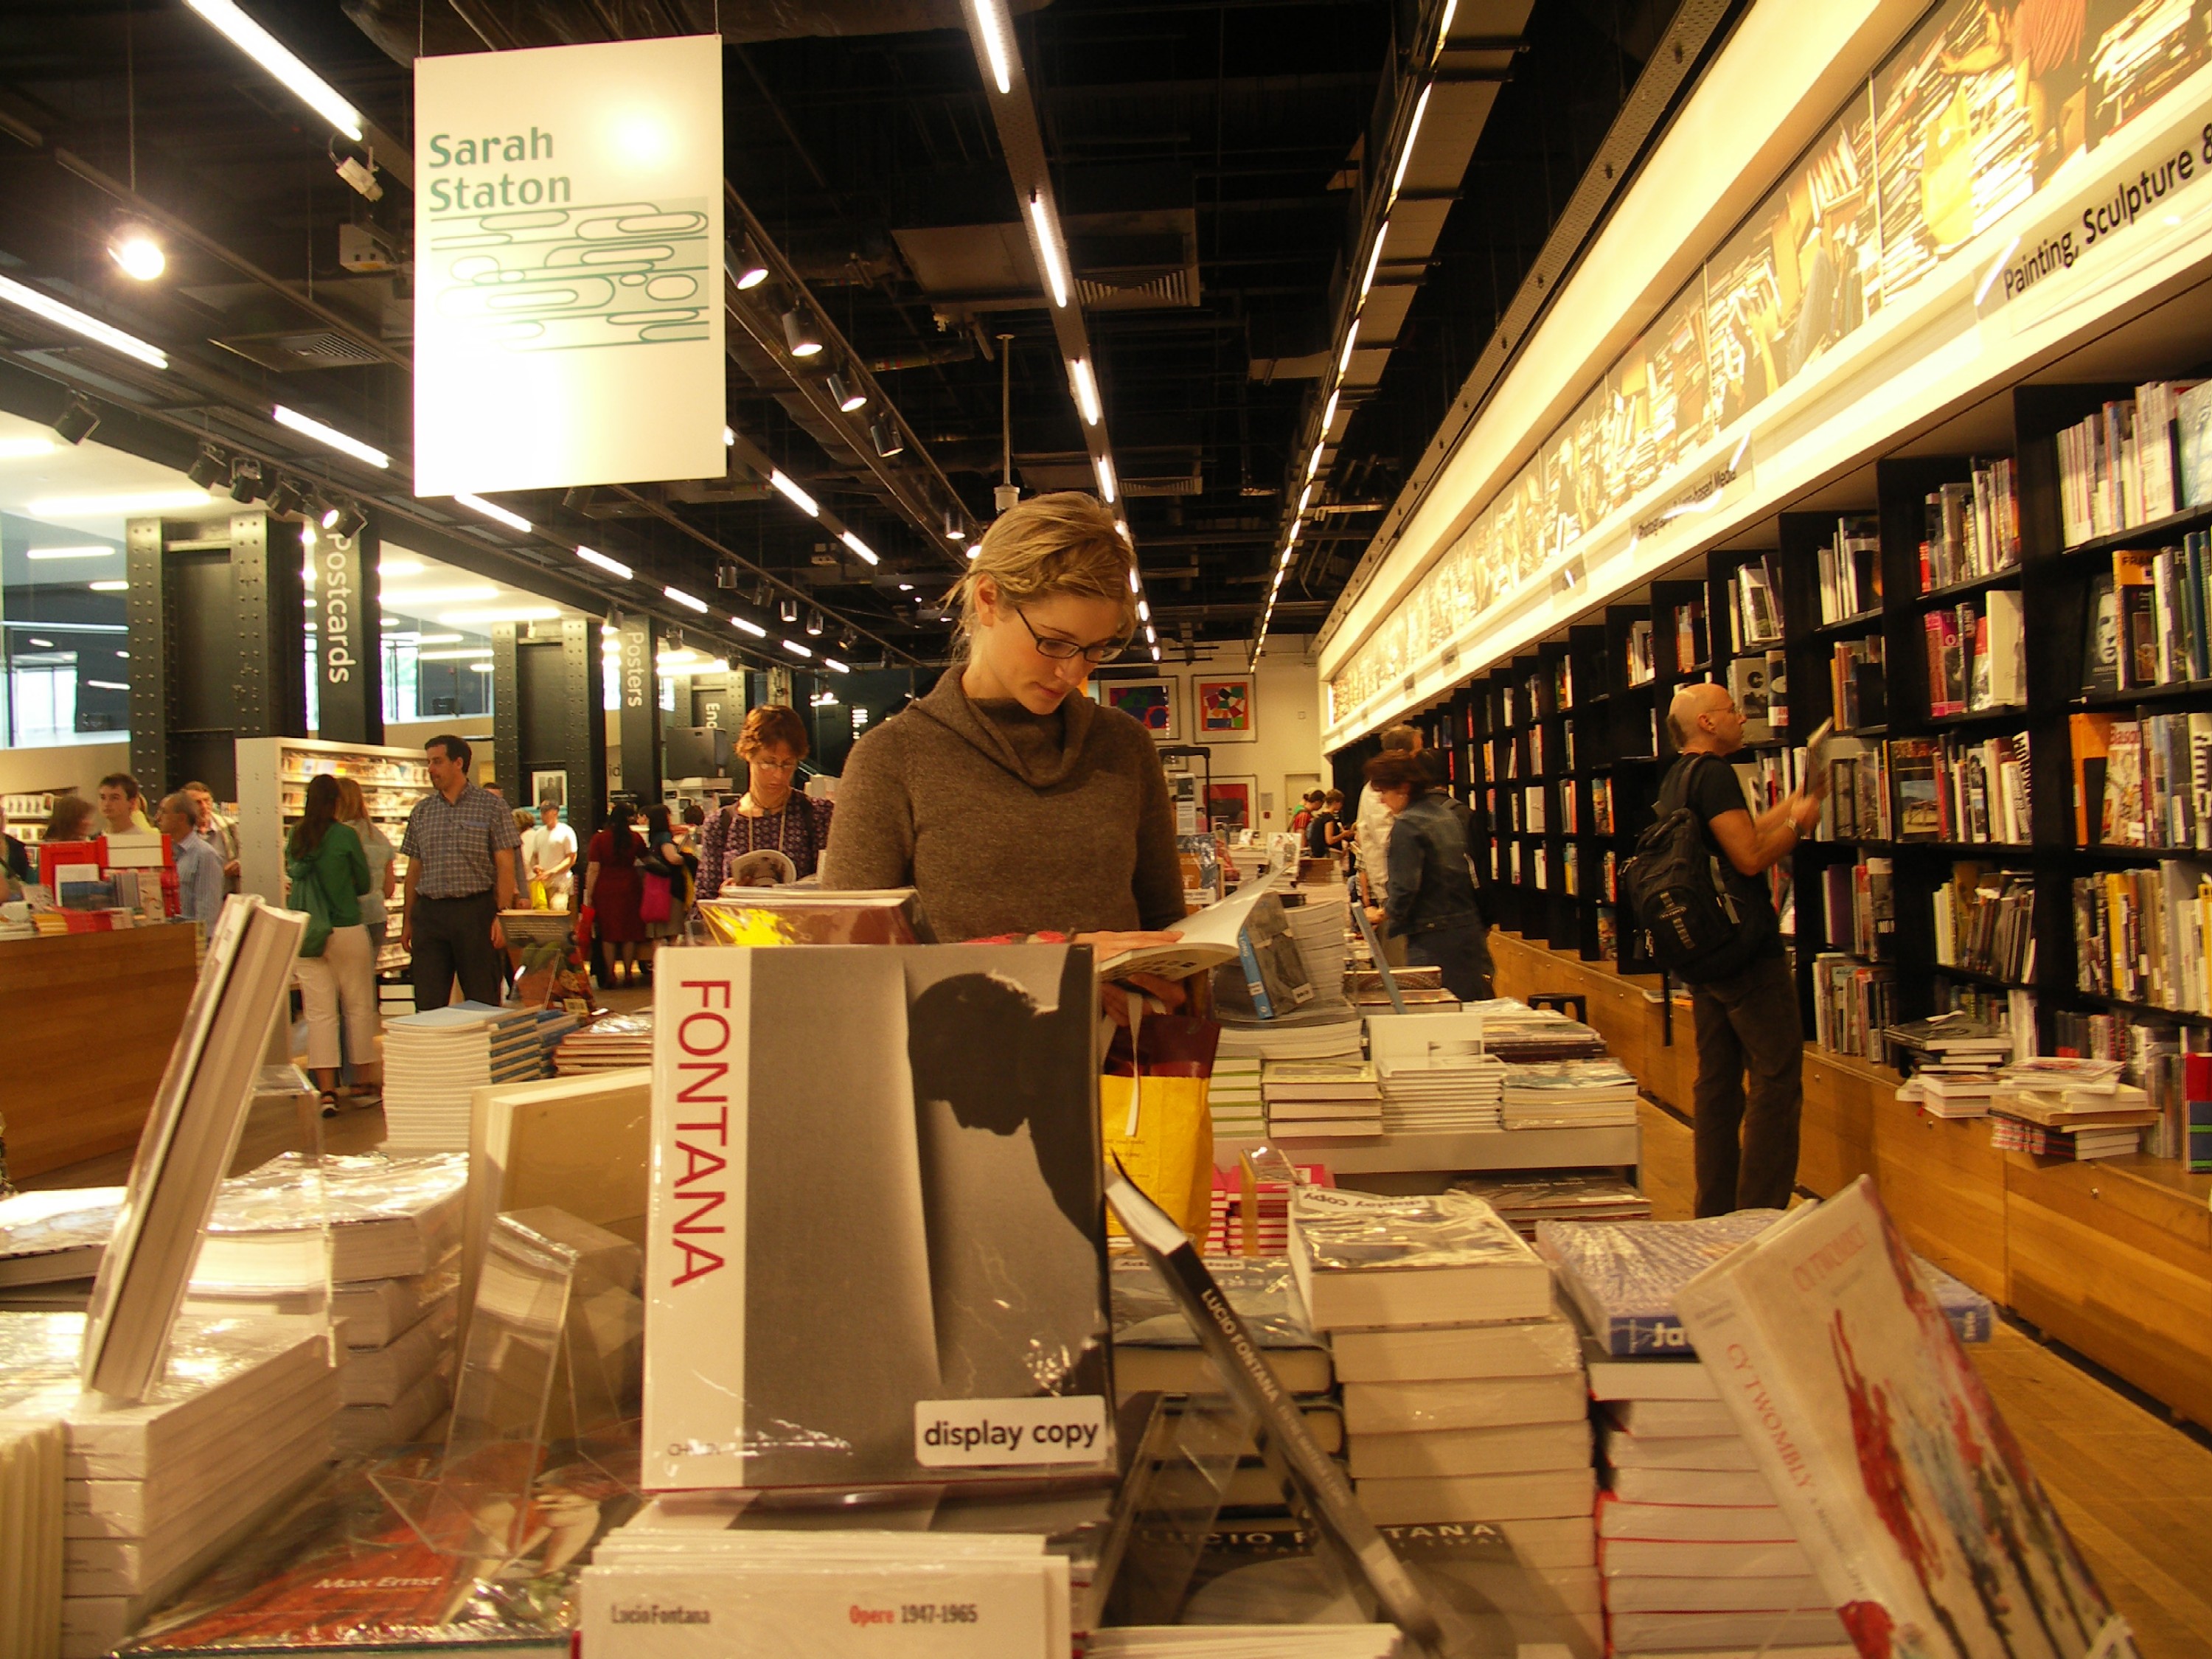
(1413,132)
(995,46)
(1104,464)
(1086,390)
(329,436)
(1351,339)
(109,586)
(1328,411)
(1048,236)
(612,567)
(42,304)
(516,614)
(107,685)
(264,49)
(495,512)
(797,649)
(69,552)
(832,663)
(1374,259)
(685,599)
(858,546)
(1132,579)
(752,627)
(792,493)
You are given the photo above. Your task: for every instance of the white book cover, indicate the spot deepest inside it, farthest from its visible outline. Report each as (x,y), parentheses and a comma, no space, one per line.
(874,1247)
(1914,1502)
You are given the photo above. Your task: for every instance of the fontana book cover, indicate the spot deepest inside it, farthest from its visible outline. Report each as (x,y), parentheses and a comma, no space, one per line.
(876,1248)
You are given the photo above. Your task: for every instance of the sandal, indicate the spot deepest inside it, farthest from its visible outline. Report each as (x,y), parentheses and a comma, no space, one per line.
(329,1103)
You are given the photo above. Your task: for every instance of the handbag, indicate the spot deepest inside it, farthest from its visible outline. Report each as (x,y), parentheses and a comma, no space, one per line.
(654,904)
(308,895)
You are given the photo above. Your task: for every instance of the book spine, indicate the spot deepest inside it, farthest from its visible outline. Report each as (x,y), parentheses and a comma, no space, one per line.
(1255,982)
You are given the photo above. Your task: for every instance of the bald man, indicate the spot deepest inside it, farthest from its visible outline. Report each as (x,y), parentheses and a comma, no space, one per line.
(1746,1017)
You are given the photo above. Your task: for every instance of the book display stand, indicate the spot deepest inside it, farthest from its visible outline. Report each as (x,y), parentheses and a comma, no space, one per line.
(553,1353)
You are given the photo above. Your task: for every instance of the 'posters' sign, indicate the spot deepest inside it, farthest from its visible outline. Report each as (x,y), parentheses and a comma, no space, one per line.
(569,266)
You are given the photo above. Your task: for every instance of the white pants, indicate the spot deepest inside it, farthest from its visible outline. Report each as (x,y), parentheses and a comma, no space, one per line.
(345,974)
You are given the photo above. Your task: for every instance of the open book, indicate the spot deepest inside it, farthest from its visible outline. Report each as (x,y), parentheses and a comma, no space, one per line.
(1208,939)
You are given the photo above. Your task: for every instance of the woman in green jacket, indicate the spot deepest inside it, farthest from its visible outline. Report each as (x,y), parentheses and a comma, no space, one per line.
(324,858)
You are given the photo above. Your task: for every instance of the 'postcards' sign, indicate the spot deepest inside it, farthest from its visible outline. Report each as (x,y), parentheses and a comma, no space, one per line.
(569,266)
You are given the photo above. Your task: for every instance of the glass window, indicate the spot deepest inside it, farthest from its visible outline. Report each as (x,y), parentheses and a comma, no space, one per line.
(64,645)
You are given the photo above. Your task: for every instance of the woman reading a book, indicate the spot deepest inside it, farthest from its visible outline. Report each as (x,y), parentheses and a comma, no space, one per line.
(1012,803)
(771,813)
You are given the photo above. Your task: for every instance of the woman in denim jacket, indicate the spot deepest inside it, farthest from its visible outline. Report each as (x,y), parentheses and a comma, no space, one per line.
(1432,900)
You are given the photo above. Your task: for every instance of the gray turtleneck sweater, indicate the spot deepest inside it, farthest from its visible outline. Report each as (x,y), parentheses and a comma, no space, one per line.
(1008,822)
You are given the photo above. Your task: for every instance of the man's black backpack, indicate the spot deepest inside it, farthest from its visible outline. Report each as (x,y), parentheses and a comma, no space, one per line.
(1695,928)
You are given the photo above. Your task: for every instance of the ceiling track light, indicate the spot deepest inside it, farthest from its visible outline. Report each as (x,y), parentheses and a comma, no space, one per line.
(726,572)
(762,593)
(955,530)
(747,269)
(134,248)
(786,609)
(799,335)
(1049,252)
(77,421)
(345,521)
(209,467)
(284,500)
(245,480)
(848,638)
(814,623)
(888,440)
(848,398)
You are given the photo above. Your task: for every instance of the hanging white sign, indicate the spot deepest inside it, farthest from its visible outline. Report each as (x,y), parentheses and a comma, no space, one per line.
(569,266)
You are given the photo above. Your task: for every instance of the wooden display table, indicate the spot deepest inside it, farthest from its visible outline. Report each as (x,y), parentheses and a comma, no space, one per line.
(2111,1257)
(94,1015)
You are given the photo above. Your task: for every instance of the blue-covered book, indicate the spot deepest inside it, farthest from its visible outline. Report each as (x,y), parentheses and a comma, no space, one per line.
(1624,1276)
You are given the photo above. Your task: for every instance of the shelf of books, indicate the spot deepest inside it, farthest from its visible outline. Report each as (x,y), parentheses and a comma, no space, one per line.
(273,774)
(2015,651)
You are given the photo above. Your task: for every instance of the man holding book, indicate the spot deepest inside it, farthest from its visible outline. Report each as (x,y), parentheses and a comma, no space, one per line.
(1746,1011)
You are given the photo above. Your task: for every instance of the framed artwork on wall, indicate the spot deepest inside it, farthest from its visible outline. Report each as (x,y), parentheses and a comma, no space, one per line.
(1223,708)
(1150,703)
(549,785)
(1230,803)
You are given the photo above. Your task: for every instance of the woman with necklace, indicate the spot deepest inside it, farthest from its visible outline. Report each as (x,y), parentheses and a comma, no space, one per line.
(771,813)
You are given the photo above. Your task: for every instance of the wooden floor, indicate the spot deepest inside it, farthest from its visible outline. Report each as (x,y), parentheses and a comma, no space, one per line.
(2135,1492)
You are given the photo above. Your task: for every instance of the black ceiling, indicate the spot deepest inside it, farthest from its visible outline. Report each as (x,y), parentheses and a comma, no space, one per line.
(1231,134)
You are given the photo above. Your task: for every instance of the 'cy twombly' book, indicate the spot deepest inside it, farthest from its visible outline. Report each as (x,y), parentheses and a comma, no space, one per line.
(876,1248)
(1919,1512)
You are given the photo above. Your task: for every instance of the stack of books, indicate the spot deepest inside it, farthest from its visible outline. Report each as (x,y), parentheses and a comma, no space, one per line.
(1306,1098)
(1155,1350)
(555,1026)
(1434,1071)
(1694,1549)
(31,1486)
(1418,987)
(1270,1231)
(1333,1034)
(1233,1096)
(51,1245)
(1464,1399)
(433,1060)
(154,1491)
(1519,1034)
(2065,1107)
(612,1043)
(393,1267)
(1569,1094)
(1525,1198)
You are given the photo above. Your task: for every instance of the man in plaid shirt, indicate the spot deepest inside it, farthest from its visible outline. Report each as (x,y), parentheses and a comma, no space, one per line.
(459,848)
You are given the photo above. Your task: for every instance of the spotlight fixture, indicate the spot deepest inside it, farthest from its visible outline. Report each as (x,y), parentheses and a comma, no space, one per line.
(762,593)
(135,249)
(848,637)
(786,609)
(285,499)
(208,467)
(799,334)
(726,572)
(814,623)
(345,521)
(77,421)
(888,439)
(245,480)
(955,530)
(748,269)
(848,398)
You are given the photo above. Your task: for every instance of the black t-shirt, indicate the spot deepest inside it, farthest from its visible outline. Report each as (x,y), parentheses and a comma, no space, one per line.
(1317,833)
(1715,787)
